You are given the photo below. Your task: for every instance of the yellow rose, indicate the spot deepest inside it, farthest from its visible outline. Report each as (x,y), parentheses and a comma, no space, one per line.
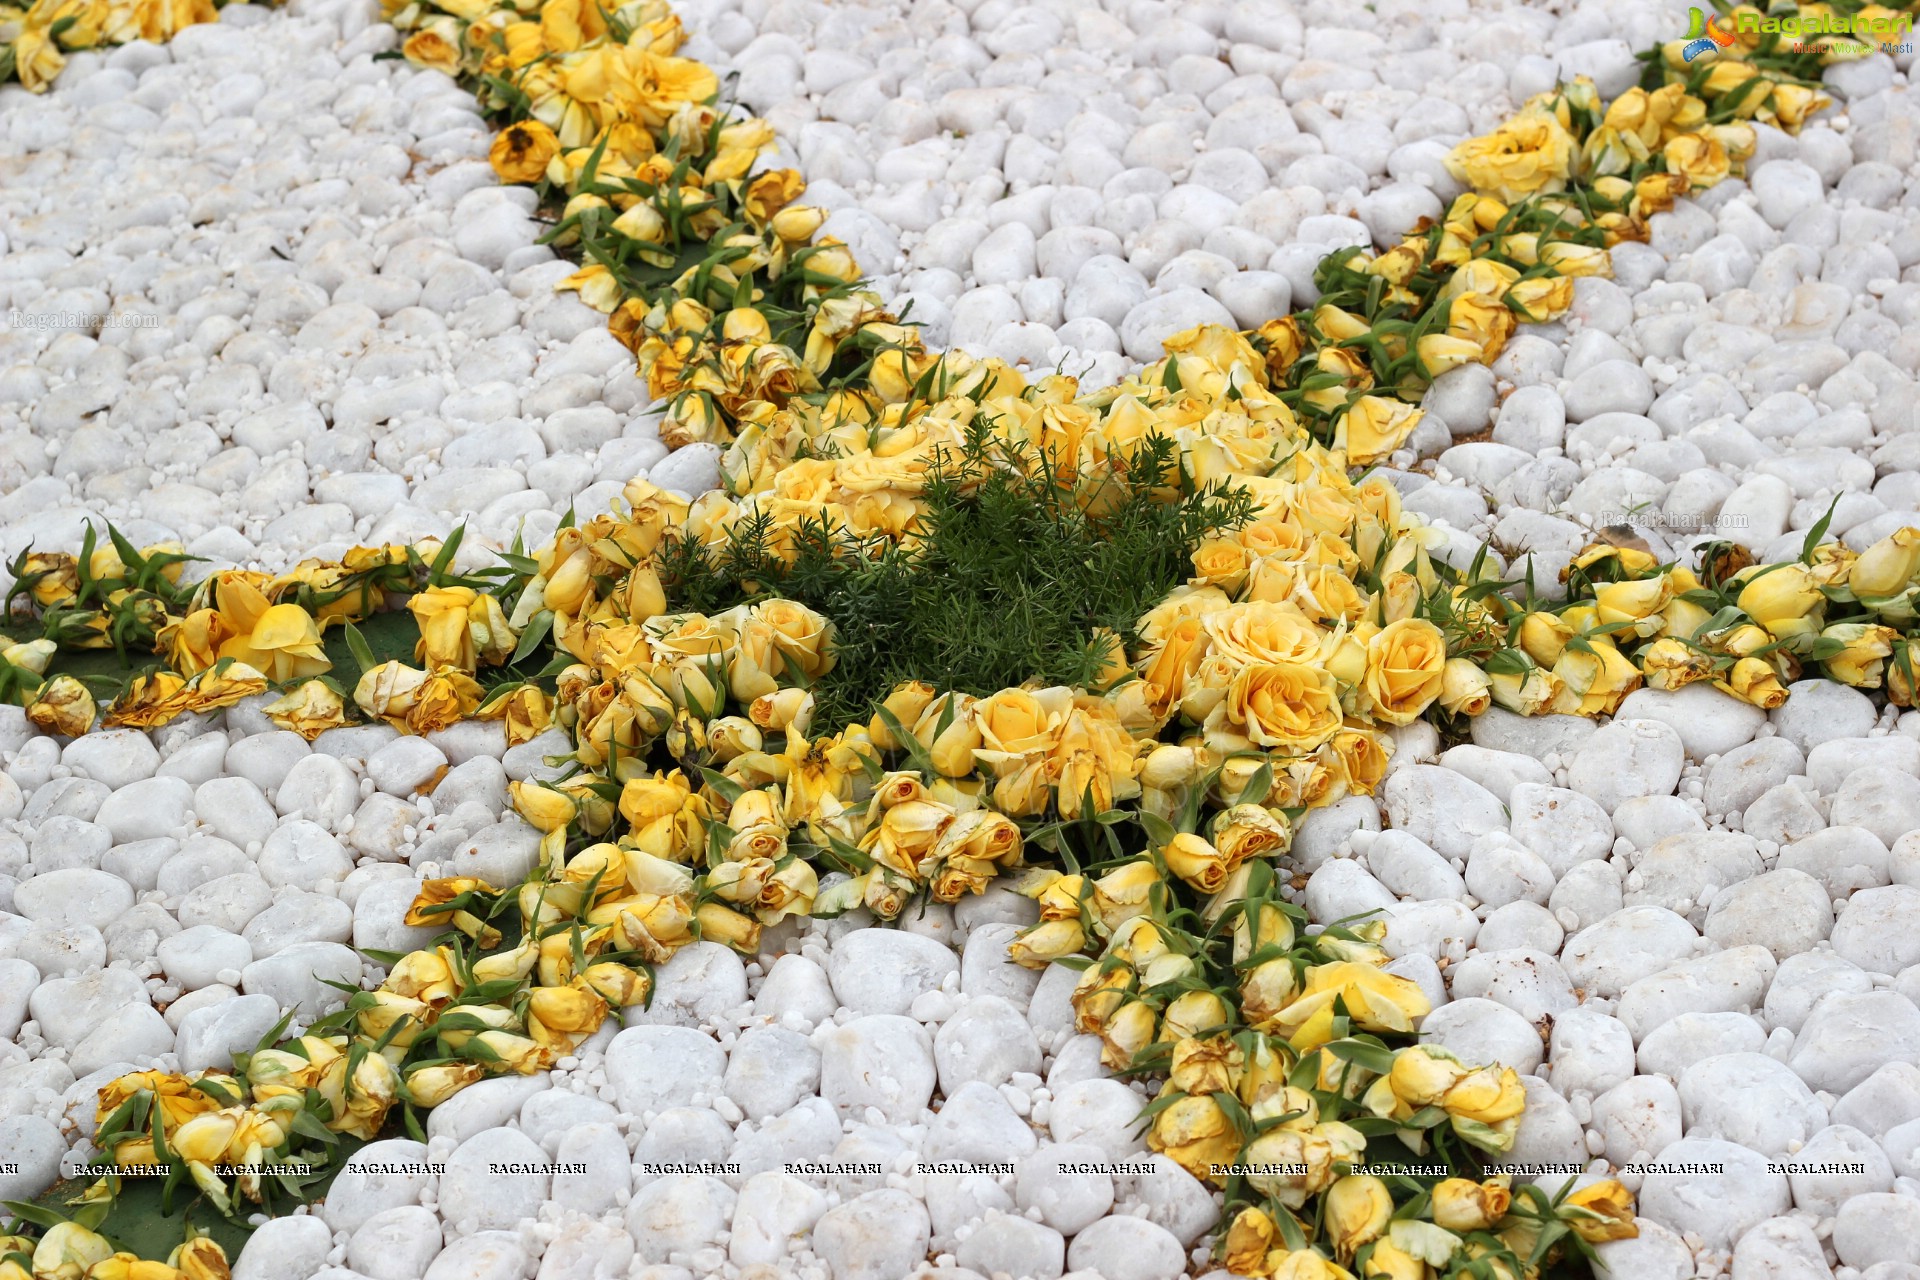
(1543,298)
(431,1086)
(1791,104)
(1529,153)
(1440,352)
(1668,663)
(1887,567)
(1373,427)
(1606,1212)
(200,1258)
(1358,1209)
(1219,562)
(1406,665)
(1289,705)
(1861,661)
(780,642)
(435,46)
(1196,1135)
(37,59)
(1015,723)
(1248,831)
(1296,1165)
(1422,1074)
(1483,320)
(1488,1095)
(1700,157)
(1460,1204)
(67,1251)
(1196,861)
(521,152)
(1042,945)
(1753,680)
(1568,259)
(62,706)
(907,835)
(309,710)
(283,645)
(1464,688)
(1375,1001)
(1786,600)
(1212,1065)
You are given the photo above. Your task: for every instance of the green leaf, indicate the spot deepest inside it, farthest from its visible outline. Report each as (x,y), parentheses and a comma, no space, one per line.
(1368,1053)
(1819,531)
(362,652)
(536,632)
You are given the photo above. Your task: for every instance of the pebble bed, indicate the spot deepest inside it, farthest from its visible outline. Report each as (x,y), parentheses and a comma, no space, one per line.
(1690,929)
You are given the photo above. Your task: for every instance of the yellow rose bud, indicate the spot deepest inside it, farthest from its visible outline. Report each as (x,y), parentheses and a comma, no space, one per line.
(1129,1030)
(1439,352)
(1388,1261)
(63,706)
(1266,990)
(1196,861)
(544,808)
(1606,1212)
(1754,680)
(1204,1066)
(1638,602)
(200,1258)
(1046,942)
(1701,157)
(1785,600)
(1167,767)
(1251,1237)
(1464,688)
(1864,649)
(1196,1135)
(1358,1209)
(1194,1013)
(1887,567)
(1489,1095)
(1460,1204)
(67,1250)
(1568,259)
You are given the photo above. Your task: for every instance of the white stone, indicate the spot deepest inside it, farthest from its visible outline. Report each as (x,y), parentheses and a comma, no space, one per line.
(881,1060)
(881,971)
(470,1190)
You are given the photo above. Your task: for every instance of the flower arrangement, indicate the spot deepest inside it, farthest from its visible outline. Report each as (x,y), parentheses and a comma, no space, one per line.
(1142,791)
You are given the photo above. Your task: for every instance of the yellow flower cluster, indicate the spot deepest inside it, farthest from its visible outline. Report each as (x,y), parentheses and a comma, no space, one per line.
(451,1020)
(72,1251)
(243,1127)
(35,41)
(1751,630)
(1632,158)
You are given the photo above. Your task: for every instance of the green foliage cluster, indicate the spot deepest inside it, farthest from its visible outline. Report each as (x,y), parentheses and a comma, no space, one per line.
(1016,572)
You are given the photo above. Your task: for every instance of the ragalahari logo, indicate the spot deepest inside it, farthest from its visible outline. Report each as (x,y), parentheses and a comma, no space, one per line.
(1703,35)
